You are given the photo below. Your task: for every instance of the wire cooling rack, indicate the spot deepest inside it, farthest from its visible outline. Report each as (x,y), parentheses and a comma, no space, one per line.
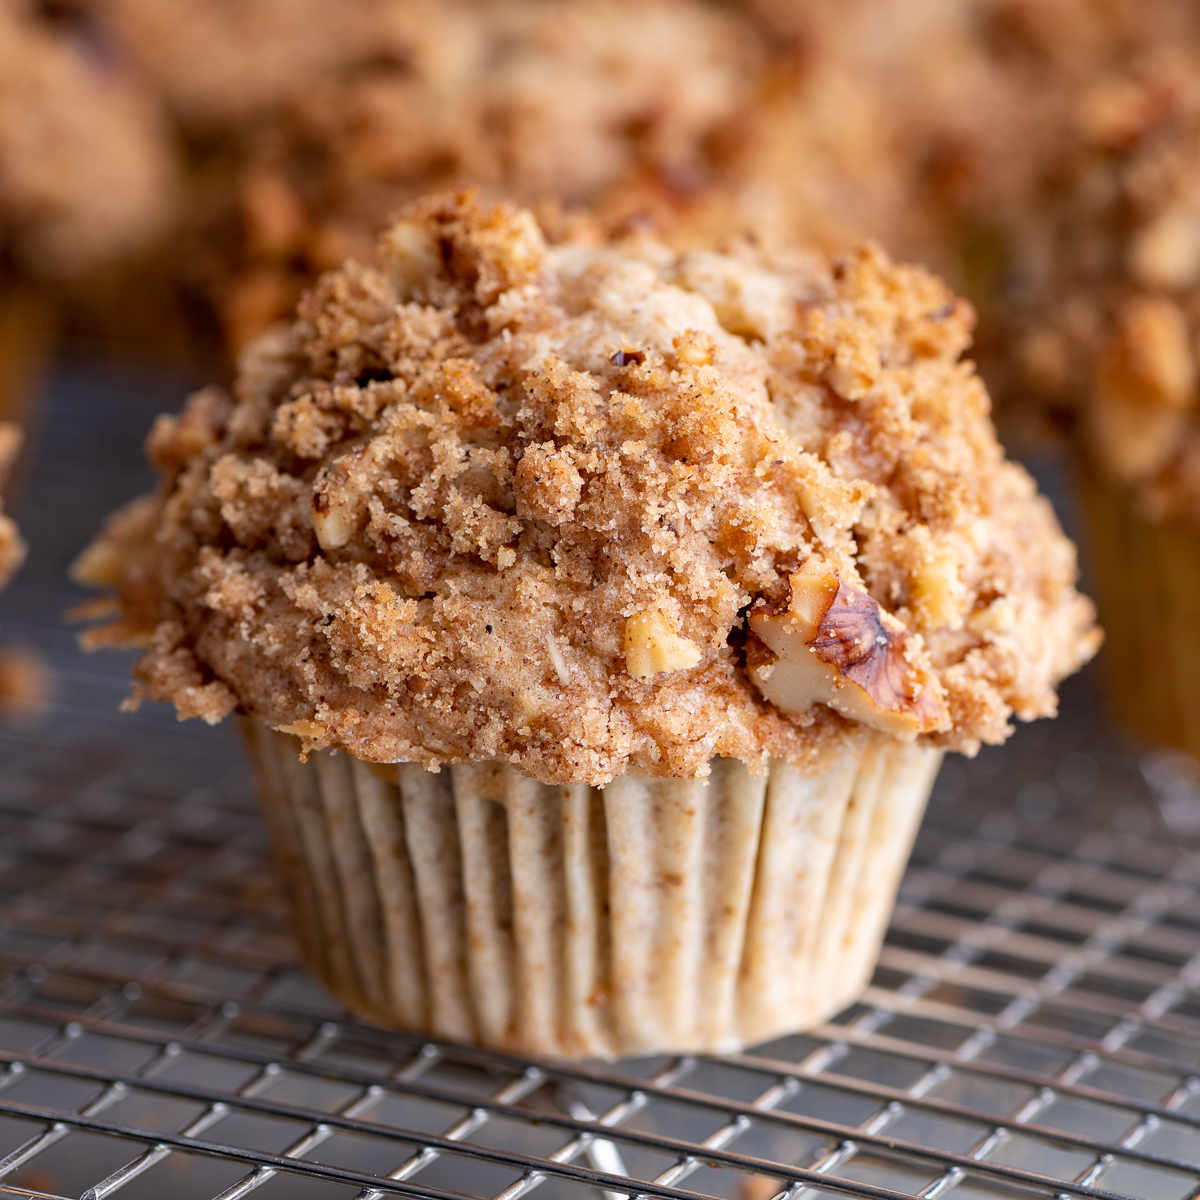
(1033,1027)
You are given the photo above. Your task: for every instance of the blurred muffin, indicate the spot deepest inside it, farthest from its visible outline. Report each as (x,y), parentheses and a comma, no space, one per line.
(84,170)
(305,132)
(665,578)
(928,124)
(938,128)
(85,180)
(220,63)
(1105,336)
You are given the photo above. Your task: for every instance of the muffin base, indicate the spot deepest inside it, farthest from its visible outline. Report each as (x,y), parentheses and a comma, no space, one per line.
(651,915)
(1147,578)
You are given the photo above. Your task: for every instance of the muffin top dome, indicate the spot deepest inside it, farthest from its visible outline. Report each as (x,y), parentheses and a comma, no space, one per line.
(592,507)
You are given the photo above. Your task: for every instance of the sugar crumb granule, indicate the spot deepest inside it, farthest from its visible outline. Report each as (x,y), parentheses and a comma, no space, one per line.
(502,500)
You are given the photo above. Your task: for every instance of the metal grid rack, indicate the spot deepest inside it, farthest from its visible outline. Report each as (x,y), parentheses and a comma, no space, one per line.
(1033,1027)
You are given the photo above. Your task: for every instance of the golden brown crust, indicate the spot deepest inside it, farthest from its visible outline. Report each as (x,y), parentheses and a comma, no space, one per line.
(446,506)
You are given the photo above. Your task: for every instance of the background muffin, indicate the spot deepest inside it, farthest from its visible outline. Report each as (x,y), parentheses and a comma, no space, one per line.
(86,180)
(303,131)
(1104,335)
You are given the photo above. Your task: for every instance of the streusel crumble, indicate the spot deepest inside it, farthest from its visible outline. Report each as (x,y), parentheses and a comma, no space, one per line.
(554,505)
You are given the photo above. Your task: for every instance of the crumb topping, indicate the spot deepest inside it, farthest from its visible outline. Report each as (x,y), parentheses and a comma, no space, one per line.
(506,501)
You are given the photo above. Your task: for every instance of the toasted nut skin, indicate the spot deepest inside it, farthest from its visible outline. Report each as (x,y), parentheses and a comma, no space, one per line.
(850,634)
(867,674)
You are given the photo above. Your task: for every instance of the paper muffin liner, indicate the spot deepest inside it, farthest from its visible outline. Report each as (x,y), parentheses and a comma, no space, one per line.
(651,915)
(1147,580)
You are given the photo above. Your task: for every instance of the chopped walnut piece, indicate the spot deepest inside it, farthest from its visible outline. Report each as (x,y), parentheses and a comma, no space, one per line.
(836,646)
(303,729)
(87,169)
(653,646)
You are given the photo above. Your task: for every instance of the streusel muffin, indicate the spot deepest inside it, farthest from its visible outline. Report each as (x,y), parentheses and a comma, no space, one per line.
(1105,335)
(307,125)
(86,178)
(85,171)
(598,617)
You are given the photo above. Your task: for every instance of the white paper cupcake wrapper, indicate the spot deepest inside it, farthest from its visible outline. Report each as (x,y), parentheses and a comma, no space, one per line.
(651,915)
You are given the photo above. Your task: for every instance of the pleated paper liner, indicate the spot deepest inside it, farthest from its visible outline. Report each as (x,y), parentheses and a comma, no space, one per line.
(1147,579)
(570,921)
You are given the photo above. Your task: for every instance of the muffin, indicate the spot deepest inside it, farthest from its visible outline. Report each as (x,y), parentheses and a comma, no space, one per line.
(597,616)
(939,128)
(84,171)
(86,178)
(304,133)
(1104,335)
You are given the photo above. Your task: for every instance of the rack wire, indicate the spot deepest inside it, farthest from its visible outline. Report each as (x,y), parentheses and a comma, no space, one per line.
(1033,1027)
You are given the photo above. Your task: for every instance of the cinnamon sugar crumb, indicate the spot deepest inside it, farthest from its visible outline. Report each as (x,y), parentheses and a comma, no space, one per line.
(419,534)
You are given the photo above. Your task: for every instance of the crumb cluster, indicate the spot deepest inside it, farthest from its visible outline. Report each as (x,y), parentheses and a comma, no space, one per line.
(505,501)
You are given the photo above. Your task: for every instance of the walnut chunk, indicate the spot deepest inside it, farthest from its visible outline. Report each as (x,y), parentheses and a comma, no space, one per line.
(938,595)
(654,646)
(334,521)
(693,349)
(303,729)
(836,646)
